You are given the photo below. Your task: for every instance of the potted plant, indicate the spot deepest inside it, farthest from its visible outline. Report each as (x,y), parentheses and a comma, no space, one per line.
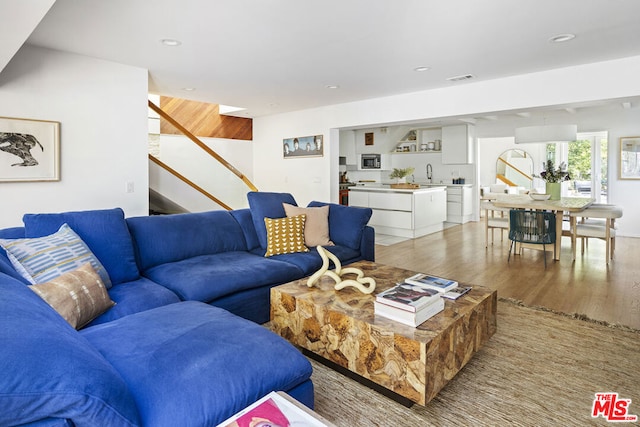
(554,178)
(401,174)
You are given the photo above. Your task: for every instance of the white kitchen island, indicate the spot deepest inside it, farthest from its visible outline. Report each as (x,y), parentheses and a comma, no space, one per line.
(403,212)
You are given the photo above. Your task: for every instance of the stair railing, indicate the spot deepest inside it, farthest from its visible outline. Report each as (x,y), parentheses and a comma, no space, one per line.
(188,181)
(203,146)
(506,180)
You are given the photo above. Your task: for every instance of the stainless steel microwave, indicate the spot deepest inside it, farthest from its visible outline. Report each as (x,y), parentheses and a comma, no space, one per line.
(371,161)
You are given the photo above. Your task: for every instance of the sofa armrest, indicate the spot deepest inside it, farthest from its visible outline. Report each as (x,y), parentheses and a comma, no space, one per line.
(368,244)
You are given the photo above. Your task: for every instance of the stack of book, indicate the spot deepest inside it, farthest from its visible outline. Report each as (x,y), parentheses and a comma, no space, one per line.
(409,304)
(417,299)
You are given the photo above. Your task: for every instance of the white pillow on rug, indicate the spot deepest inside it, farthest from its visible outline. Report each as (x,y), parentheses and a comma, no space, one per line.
(44,258)
(316,227)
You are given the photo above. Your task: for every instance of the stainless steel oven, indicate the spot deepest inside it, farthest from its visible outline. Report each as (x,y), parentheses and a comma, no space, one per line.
(344,192)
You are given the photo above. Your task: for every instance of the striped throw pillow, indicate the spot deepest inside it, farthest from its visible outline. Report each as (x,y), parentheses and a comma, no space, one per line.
(42,259)
(285,235)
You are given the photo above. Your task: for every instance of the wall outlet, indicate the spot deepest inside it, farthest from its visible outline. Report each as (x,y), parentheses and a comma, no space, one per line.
(130,187)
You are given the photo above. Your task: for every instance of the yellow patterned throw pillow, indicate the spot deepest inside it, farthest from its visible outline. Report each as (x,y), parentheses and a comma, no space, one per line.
(285,235)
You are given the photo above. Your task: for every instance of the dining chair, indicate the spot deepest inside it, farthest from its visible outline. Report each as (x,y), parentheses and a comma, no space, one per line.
(532,227)
(596,221)
(494,219)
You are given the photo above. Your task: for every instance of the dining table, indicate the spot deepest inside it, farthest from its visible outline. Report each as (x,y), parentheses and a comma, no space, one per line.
(559,207)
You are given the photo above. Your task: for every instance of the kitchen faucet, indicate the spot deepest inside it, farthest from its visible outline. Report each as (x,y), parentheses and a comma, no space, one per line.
(429,173)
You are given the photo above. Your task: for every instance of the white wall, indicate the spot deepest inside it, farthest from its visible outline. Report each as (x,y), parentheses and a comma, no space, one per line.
(181,154)
(102,110)
(309,179)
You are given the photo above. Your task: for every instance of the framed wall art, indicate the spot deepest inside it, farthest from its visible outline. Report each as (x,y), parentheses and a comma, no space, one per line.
(368,138)
(29,150)
(303,146)
(630,157)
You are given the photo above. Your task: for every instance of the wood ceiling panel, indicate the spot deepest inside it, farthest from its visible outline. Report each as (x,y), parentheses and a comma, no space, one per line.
(202,119)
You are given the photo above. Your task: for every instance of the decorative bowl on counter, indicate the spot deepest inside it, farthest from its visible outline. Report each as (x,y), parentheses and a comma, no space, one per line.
(539,196)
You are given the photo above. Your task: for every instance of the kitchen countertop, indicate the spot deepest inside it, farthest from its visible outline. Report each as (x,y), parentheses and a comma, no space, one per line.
(421,184)
(384,188)
(447,185)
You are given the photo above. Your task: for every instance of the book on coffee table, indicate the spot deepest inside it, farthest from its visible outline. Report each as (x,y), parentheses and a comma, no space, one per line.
(408,297)
(407,317)
(432,282)
(456,293)
(275,409)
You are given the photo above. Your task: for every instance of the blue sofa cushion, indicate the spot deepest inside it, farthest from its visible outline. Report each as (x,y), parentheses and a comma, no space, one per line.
(346,223)
(267,205)
(199,364)
(244,218)
(345,254)
(40,259)
(5,265)
(136,296)
(168,238)
(104,231)
(308,262)
(50,371)
(207,277)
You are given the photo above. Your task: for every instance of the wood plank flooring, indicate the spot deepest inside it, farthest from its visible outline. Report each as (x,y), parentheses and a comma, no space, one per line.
(588,286)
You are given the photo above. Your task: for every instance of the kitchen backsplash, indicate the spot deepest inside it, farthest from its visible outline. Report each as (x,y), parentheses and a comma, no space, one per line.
(441,173)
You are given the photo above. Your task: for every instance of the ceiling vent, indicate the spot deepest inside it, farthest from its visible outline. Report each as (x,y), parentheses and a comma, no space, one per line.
(460,78)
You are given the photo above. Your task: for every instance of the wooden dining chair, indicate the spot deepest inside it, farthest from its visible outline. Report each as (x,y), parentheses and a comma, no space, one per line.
(495,218)
(532,227)
(595,222)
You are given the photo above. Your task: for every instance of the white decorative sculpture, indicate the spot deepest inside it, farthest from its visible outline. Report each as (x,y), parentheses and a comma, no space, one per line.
(358,283)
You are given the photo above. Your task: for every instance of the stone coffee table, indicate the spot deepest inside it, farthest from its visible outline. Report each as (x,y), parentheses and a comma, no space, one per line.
(414,364)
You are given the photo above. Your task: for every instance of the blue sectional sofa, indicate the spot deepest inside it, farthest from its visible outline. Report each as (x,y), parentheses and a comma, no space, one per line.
(182,345)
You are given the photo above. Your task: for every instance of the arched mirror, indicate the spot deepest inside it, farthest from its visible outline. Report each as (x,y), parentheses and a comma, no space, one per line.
(515,168)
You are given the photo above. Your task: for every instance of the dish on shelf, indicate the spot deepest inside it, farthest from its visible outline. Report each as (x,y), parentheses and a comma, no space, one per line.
(539,196)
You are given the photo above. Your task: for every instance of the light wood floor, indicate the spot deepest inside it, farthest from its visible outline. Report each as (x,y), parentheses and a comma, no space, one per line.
(588,286)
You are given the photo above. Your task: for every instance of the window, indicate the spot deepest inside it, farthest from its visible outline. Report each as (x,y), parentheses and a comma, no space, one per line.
(587,161)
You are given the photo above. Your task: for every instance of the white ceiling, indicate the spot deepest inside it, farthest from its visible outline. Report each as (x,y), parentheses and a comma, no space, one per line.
(279,55)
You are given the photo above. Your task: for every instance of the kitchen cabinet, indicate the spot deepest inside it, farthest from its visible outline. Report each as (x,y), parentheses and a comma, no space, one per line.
(459,203)
(457,144)
(347,147)
(405,213)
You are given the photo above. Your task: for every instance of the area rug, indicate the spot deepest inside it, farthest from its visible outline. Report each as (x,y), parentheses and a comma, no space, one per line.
(539,369)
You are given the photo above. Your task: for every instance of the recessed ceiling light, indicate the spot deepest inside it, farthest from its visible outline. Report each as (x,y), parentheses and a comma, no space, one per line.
(559,38)
(332,86)
(189,89)
(171,42)
(421,69)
